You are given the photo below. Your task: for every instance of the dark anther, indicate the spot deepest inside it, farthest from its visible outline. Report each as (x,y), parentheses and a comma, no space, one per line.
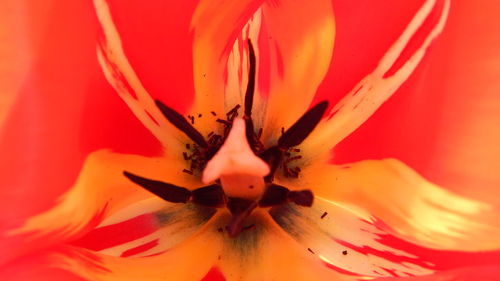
(238,205)
(224,122)
(324,215)
(250,134)
(209,196)
(344,252)
(303,197)
(303,127)
(274,195)
(181,123)
(251,81)
(240,210)
(166,191)
(272,156)
(189,172)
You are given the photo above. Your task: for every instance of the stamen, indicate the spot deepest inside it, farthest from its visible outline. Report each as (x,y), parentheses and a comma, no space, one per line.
(189,172)
(302,198)
(224,122)
(250,134)
(240,210)
(299,131)
(182,124)
(274,195)
(251,81)
(209,196)
(273,157)
(166,191)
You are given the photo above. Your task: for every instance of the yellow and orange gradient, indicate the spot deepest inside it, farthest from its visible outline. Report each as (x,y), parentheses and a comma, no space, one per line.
(67,137)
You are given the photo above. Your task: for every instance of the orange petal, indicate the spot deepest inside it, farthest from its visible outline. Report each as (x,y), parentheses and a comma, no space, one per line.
(267,252)
(300,43)
(412,207)
(100,190)
(366,97)
(216,25)
(346,240)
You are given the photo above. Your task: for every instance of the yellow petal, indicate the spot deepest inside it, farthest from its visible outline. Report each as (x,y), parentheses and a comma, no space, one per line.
(237,71)
(122,77)
(345,240)
(216,24)
(101,190)
(412,207)
(301,35)
(369,94)
(263,252)
(266,252)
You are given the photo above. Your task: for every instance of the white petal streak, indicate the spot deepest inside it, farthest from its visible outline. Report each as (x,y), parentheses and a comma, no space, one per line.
(347,240)
(369,94)
(238,67)
(173,223)
(124,80)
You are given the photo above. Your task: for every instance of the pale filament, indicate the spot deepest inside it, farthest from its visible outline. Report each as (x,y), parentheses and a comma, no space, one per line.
(240,171)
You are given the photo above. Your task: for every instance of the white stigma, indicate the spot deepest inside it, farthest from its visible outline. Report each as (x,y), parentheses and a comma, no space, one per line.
(240,171)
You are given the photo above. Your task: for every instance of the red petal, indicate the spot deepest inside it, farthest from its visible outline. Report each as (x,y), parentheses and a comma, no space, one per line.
(65,108)
(483,273)
(444,120)
(34,268)
(214,275)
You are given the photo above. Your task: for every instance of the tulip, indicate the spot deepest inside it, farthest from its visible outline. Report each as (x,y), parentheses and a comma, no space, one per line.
(250,140)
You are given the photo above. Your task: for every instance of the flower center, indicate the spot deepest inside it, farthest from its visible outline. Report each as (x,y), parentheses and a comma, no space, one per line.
(240,171)
(236,165)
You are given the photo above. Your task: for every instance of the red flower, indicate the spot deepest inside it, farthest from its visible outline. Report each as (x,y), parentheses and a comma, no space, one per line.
(66,133)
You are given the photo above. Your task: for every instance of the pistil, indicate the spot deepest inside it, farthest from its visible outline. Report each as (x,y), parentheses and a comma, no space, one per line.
(240,171)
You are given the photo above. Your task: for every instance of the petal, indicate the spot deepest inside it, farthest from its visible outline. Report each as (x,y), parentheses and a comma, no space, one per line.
(183,263)
(250,256)
(466,144)
(447,111)
(100,190)
(341,238)
(14,56)
(64,109)
(266,251)
(35,268)
(122,77)
(238,67)
(483,273)
(216,25)
(148,227)
(300,44)
(366,97)
(412,207)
